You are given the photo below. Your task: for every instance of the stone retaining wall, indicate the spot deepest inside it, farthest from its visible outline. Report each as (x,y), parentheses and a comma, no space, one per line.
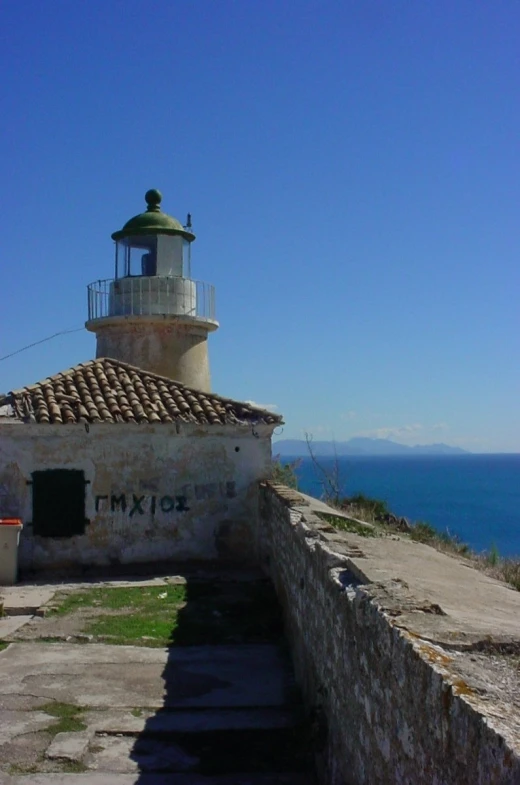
(382,711)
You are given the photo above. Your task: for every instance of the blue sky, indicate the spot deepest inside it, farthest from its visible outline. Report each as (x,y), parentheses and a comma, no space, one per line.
(353,173)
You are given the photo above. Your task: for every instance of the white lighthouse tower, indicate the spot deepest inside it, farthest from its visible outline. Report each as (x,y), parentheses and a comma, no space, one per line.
(152,314)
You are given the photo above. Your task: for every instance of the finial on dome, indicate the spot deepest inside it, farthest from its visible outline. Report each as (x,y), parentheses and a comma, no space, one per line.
(153,199)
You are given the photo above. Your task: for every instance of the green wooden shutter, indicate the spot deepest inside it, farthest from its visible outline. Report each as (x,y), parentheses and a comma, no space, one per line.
(58,502)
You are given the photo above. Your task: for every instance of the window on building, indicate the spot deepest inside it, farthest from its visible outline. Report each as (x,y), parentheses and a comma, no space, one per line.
(58,503)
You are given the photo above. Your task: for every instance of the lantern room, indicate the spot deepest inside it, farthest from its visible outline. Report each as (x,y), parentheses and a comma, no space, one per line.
(153,243)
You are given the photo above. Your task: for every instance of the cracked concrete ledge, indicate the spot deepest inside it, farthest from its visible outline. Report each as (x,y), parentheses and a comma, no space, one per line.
(410,580)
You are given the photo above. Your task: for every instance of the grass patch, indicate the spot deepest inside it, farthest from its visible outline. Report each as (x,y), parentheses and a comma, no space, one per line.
(373,508)
(68,716)
(3,645)
(349,525)
(510,570)
(136,712)
(141,597)
(129,629)
(505,569)
(187,614)
(423,532)
(443,541)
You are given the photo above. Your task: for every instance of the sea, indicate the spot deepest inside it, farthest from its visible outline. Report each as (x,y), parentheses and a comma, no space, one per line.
(475,497)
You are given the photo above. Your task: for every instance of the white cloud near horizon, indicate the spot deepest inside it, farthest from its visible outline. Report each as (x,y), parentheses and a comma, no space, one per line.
(270,407)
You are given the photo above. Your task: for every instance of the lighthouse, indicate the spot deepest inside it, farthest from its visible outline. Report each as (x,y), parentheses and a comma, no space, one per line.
(153,314)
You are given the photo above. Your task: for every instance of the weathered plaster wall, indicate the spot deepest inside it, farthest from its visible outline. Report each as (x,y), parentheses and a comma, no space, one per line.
(384,713)
(153,493)
(161,345)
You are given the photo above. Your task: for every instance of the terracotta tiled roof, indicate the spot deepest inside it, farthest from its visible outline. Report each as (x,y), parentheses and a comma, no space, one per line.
(105,390)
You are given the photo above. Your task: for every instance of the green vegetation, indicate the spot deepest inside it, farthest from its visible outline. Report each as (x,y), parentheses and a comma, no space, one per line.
(509,570)
(348,525)
(147,615)
(136,712)
(3,645)
(24,768)
(423,532)
(127,629)
(284,473)
(493,555)
(68,716)
(373,508)
(193,613)
(141,598)
(72,767)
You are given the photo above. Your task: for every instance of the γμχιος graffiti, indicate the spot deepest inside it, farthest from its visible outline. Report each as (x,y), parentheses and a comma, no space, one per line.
(142,504)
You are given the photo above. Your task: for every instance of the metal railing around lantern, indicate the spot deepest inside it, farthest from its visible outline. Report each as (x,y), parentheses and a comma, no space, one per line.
(151,296)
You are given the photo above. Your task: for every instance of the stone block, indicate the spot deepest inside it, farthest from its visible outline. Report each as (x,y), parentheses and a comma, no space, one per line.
(68,746)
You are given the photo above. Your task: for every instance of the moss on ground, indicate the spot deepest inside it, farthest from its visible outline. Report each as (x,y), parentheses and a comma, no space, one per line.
(68,716)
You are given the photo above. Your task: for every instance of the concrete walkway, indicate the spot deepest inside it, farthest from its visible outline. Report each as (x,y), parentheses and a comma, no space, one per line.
(183,715)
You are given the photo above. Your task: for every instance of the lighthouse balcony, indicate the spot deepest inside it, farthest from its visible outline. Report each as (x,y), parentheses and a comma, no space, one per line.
(152,296)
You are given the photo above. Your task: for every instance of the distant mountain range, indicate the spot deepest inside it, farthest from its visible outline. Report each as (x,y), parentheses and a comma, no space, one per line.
(360,445)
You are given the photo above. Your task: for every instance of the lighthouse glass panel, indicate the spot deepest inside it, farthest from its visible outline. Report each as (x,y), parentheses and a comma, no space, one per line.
(136,256)
(169,256)
(186,258)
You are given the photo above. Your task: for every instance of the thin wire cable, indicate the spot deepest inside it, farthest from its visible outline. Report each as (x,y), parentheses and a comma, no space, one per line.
(29,346)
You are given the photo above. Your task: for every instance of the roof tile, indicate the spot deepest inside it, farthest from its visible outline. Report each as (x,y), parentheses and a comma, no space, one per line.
(106,390)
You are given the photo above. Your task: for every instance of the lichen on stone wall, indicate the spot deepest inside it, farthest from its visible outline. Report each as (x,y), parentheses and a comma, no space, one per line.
(391,709)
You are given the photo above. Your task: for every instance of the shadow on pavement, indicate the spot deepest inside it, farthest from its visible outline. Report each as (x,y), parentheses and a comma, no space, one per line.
(230,713)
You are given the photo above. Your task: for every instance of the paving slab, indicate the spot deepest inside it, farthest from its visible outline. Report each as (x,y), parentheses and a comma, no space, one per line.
(165,722)
(15,723)
(9,624)
(25,600)
(99,675)
(126,755)
(109,778)
(68,746)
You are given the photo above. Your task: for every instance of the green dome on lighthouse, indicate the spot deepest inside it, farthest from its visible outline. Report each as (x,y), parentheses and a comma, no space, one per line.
(153,221)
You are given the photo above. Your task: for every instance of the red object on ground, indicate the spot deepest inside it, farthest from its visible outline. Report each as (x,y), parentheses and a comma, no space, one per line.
(10,521)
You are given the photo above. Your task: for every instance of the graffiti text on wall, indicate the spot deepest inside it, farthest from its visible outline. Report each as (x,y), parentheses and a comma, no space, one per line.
(142,504)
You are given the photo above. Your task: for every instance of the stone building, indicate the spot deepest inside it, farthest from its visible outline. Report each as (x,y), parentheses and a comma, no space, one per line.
(130,458)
